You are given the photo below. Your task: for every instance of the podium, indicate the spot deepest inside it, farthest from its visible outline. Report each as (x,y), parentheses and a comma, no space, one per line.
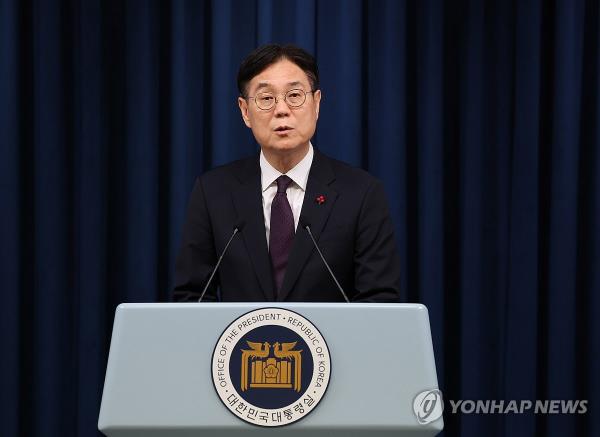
(233,369)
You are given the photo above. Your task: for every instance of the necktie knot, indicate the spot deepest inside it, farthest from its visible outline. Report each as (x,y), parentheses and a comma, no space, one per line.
(283,182)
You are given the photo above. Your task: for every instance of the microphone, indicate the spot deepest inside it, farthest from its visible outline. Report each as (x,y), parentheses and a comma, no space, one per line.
(236,230)
(304,223)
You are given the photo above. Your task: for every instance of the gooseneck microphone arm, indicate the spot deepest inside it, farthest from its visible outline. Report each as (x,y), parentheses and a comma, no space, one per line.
(236,229)
(306,225)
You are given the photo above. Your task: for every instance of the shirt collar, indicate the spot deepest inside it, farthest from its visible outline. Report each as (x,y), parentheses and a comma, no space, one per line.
(298,174)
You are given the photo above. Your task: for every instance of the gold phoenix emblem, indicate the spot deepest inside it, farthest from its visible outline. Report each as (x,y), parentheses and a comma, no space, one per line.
(271,371)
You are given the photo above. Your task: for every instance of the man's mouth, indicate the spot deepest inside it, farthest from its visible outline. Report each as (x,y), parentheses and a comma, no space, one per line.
(283,129)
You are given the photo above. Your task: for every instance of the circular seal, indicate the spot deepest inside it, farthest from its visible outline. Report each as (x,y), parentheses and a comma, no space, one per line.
(271,367)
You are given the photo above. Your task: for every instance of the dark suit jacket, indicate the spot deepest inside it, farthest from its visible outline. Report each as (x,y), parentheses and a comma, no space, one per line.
(352,227)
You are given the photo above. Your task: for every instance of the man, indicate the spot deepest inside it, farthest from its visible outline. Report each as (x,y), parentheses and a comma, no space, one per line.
(273,197)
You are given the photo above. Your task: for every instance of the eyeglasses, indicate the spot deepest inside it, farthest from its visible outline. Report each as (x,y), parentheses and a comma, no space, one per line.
(294,99)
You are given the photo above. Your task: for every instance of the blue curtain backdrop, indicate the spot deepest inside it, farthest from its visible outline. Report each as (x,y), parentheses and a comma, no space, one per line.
(480,117)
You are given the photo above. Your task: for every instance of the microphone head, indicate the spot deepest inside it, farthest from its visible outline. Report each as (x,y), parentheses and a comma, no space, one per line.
(239,225)
(303,222)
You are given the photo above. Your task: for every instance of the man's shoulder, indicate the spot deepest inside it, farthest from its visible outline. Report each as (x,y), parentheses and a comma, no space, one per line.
(348,174)
(231,172)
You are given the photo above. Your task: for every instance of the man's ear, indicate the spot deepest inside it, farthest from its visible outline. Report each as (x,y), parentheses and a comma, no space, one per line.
(317,98)
(243,104)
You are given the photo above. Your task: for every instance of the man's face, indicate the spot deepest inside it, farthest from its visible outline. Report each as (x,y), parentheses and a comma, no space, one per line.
(282,129)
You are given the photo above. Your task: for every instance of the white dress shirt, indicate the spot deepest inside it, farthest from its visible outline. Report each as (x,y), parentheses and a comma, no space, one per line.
(295,191)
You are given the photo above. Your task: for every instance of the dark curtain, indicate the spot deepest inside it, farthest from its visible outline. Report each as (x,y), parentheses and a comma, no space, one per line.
(480,117)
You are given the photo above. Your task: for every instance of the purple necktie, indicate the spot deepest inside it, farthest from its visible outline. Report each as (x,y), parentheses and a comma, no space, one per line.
(281,235)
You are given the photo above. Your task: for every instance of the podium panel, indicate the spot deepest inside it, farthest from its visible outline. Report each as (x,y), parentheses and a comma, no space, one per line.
(162,377)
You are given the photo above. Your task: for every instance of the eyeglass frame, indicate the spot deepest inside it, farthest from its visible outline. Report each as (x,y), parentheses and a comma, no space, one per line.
(284,98)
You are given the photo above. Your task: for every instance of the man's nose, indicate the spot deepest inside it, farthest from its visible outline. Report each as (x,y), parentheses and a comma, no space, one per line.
(281,107)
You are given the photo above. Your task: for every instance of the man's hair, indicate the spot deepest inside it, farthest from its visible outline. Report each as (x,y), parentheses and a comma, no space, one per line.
(265,56)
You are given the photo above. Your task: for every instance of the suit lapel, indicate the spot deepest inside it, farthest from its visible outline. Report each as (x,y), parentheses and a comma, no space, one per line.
(320,177)
(247,199)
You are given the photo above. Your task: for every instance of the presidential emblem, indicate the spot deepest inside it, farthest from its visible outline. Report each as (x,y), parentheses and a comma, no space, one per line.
(271,367)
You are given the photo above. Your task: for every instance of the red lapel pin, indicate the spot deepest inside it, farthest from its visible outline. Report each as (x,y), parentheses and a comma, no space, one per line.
(320,199)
